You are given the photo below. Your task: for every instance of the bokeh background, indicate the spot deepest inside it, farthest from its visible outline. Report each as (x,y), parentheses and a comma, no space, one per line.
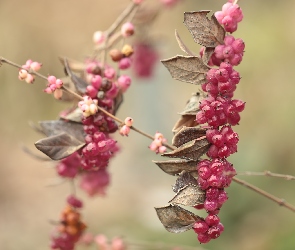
(43,30)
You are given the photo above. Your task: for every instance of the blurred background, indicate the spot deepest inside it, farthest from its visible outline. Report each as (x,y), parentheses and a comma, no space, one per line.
(43,30)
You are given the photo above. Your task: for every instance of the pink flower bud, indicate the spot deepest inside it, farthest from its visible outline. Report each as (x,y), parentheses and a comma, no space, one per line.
(128,121)
(162,149)
(22,74)
(125,63)
(58,83)
(57,94)
(35,66)
(98,37)
(124,82)
(51,79)
(48,90)
(127,29)
(93,109)
(109,73)
(124,130)
(29,78)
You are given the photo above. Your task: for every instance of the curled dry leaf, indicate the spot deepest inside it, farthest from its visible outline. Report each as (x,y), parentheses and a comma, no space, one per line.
(205,31)
(183,180)
(186,134)
(185,120)
(207,54)
(192,105)
(189,195)
(176,219)
(189,69)
(56,127)
(74,65)
(192,150)
(118,101)
(174,167)
(59,146)
(74,115)
(182,46)
(79,83)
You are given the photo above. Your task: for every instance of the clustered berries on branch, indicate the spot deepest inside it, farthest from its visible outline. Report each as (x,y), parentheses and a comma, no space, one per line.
(201,182)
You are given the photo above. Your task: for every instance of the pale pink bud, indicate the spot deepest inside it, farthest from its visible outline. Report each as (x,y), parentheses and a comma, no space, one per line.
(158,142)
(124,130)
(159,135)
(48,90)
(28,62)
(29,78)
(35,66)
(128,121)
(162,149)
(118,244)
(57,94)
(51,79)
(22,74)
(153,147)
(98,37)
(85,108)
(102,242)
(58,83)
(93,109)
(124,82)
(109,73)
(127,29)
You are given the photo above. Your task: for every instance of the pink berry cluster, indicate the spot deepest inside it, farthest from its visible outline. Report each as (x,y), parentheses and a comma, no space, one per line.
(24,74)
(125,129)
(70,227)
(88,106)
(220,112)
(54,86)
(157,144)
(230,15)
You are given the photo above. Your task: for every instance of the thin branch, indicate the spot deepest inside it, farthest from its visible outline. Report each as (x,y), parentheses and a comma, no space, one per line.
(269,174)
(236,1)
(280,201)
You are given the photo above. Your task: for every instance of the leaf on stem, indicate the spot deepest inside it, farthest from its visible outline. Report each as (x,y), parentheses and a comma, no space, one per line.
(192,105)
(56,127)
(205,31)
(185,120)
(192,150)
(74,65)
(207,54)
(186,134)
(59,146)
(176,219)
(182,46)
(174,167)
(79,83)
(190,195)
(189,69)
(184,179)
(73,115)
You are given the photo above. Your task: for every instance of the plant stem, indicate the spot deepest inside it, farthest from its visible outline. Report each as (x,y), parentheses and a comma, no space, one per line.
(280,201)
(267,173)
(236,1)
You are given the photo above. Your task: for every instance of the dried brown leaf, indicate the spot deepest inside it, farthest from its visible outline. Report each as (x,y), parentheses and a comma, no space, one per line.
(184,179)
(185,120)
(79,83)
(192,105)
(207,54)
(74,65)
(182,46)
(56,127)
(186,134)
(73,116)
(205,31)
(190,195)
(59,146)
(176,219)
(174,167)
(192,150)
(189,69)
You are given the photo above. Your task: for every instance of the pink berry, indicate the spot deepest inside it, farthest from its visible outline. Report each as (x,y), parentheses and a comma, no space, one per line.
(200,227)
(35,66)
(127,29)
(29,78)
(58,94)
(96,81)
(98,37)
(212,220)
(91,91)
(125,130)
(125,63)
(203,238)
(124,82)
(51,79)
(58,83)
(128,121)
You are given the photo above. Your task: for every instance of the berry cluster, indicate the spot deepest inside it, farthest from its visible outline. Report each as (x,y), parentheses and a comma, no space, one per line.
(208,229)
(230,15)
(70,228)
(220,112)
(23,73)
(157,144)
(54,86)
(125,129)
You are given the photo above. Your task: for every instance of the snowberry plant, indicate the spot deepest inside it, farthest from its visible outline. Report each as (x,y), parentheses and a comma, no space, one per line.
(81,140)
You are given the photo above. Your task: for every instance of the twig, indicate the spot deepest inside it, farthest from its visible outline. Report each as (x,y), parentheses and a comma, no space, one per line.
(269,174)
(281,202)
(236,1)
